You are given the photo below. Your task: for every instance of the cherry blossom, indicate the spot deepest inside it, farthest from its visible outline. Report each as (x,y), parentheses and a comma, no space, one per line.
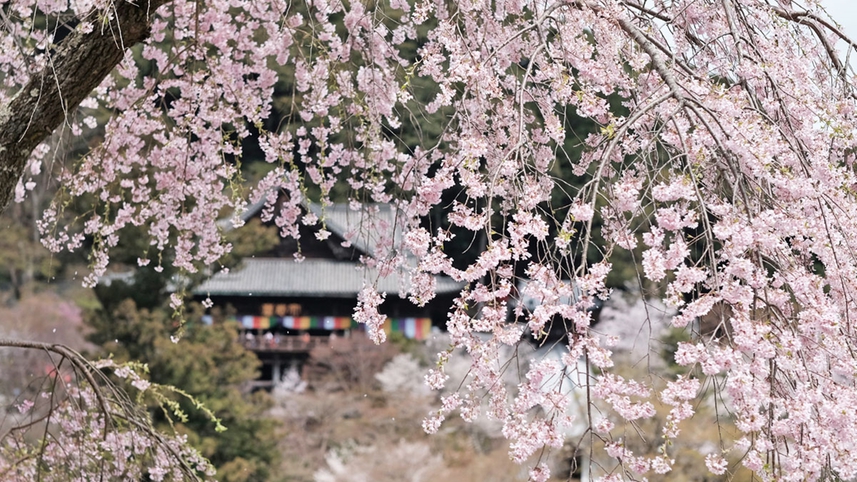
(720,134)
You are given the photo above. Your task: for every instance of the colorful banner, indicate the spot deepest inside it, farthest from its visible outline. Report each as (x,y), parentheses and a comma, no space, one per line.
(258,322)
(250,322)
(317,322)
(412,328)
(337,323)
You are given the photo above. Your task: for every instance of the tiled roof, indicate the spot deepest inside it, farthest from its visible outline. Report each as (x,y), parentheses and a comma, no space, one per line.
(252,210)
(312,277)
(362,227)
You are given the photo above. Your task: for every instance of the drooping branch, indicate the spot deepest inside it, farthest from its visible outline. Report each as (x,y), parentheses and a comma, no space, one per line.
(80,63)
(114,405)
(81,364)
(797,16)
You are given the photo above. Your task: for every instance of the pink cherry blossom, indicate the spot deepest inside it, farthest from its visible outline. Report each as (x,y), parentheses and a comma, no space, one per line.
(731,159)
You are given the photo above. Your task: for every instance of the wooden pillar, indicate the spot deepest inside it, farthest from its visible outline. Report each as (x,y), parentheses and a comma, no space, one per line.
(276,371)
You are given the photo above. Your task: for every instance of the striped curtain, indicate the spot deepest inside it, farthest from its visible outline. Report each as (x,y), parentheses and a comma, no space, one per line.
(412,328)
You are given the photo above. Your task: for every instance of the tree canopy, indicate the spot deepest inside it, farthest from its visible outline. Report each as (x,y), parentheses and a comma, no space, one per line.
(709,142)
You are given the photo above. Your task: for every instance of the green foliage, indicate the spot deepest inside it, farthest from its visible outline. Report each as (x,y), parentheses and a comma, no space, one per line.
(23,259)
(146,287)
(208,367)
(670,347)
(252,238)
(405,344)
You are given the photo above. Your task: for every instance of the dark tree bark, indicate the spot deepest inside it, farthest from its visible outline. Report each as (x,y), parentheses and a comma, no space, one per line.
(78,66)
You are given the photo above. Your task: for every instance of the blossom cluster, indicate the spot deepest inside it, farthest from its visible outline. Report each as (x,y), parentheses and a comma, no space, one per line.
(87,443)
(719,154)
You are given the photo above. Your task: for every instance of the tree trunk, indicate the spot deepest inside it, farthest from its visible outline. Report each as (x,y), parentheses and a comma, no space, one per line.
(80,63)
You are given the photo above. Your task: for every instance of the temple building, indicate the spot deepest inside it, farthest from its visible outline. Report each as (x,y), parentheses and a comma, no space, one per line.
(286,308)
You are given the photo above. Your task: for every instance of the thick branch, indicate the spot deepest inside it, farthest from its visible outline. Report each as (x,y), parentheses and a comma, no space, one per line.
(657,61)
(77,67)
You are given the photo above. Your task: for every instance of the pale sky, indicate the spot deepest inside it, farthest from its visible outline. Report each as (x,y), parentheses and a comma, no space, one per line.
(845,14)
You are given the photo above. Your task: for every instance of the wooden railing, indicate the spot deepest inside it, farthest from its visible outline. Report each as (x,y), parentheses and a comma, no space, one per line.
(284,344)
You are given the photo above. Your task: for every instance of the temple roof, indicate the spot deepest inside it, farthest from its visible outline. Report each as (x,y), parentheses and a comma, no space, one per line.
(360,226)
(319,277)
(311,278)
